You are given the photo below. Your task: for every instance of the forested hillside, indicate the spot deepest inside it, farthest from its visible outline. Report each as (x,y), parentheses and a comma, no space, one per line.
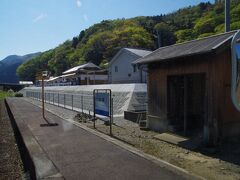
(100,42)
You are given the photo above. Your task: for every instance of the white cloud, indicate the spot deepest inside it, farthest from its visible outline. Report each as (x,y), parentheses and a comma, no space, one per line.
(40,17)
(79,3)
(85,17)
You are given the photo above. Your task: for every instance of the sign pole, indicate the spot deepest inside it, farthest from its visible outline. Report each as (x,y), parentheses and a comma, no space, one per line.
(103,105)
(94,116)
(44,74)
(43,107)
(110,98)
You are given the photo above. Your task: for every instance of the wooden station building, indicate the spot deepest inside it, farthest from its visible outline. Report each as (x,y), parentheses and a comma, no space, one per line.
(189,89)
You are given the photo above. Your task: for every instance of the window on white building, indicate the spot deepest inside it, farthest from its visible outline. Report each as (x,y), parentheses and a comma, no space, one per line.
(116,69)
(134,68)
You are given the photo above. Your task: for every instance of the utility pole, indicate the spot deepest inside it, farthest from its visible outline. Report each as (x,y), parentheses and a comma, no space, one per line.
(227,15)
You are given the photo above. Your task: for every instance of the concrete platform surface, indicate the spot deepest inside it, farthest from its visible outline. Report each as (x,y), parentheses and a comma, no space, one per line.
(78,154)
(171,138)
(184,142)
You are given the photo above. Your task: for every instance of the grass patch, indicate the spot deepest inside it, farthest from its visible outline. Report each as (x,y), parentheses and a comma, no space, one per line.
(4,94)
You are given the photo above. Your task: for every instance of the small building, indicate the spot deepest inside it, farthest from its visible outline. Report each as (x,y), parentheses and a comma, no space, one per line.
(121,69)
(85,74)
(189,89)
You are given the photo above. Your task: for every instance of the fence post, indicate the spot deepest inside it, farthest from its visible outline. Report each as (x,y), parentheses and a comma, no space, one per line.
(82,103)
(72,101)
(58,99)
(53,98)
(64,100)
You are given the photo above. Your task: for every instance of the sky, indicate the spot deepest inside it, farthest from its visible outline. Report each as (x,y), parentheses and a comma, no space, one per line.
(28,26)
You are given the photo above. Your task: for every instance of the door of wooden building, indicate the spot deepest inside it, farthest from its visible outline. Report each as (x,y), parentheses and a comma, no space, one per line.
(186,103)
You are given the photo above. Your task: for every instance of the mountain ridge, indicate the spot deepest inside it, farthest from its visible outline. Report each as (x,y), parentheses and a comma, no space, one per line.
(9,64)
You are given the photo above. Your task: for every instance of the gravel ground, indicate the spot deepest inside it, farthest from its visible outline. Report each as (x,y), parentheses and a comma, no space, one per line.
(221,164)
(11,166)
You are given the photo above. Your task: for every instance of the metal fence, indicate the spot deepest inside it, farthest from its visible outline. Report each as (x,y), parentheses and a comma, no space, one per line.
(83,102)
(80,103)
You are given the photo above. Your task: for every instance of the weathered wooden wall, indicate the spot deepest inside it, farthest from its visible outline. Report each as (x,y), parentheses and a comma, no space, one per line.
(222,118)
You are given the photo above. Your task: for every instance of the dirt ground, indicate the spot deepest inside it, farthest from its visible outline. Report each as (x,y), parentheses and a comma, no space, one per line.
(11,166)
(219,163)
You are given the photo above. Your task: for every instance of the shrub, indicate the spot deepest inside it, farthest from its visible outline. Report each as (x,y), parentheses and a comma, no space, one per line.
(18,95)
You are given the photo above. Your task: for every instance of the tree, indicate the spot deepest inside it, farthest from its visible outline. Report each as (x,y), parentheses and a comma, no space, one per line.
(164,34)
(235,25)
(81,35)
(185,35)
(205,25)
(74,42)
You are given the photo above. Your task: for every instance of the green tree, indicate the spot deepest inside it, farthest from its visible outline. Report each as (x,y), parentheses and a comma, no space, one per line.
(185,35)
(164,34)
(74,42)
(205,25)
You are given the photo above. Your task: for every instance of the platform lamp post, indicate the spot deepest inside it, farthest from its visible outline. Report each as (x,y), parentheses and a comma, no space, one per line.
(44,76)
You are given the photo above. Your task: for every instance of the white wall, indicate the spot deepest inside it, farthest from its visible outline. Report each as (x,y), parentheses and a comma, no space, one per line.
(125,73)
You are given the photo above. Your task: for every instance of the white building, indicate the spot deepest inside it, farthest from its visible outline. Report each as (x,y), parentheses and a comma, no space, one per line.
(121,69)
(85,74)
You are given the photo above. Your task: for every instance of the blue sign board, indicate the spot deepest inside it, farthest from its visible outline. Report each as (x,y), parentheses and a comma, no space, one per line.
(102,104)
(238,51)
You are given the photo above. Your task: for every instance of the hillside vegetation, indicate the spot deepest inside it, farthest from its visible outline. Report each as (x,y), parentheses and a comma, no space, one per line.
(100,42)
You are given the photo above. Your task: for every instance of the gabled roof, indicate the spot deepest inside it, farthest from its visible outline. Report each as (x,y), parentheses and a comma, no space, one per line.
(62,76)
(137,52)
(200,46)
(83,66)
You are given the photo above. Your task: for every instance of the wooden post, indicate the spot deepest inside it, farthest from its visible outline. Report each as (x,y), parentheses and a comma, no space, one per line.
(185,104)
